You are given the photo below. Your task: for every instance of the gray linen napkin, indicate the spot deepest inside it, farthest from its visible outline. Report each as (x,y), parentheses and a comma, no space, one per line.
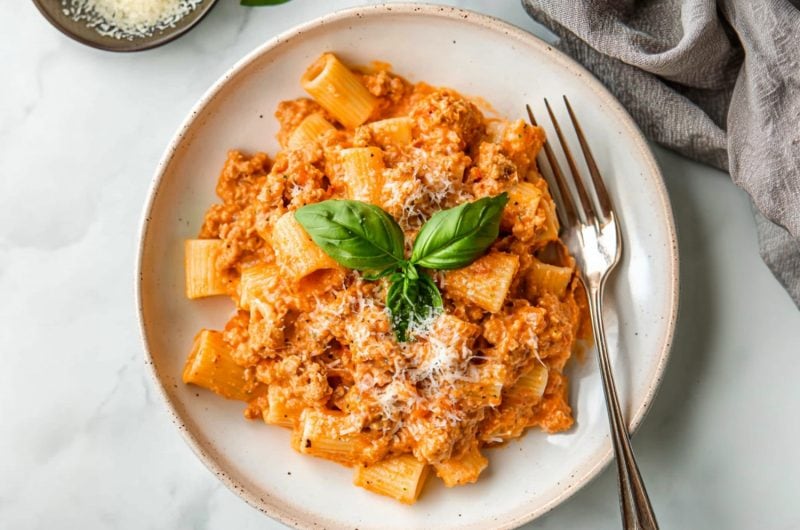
(716,81)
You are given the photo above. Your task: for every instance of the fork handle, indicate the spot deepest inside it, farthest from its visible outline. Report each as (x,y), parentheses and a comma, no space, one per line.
(637,513)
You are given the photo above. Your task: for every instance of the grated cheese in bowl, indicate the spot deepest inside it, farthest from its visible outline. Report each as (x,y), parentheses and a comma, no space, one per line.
(128,19)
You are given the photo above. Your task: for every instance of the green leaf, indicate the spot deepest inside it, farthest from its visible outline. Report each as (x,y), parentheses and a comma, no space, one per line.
(382,274)
(357,235)
(361,236)
(454,238)
(256,3)
(412,302)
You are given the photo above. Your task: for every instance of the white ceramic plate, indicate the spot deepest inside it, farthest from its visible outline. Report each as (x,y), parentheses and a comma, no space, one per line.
(477,55)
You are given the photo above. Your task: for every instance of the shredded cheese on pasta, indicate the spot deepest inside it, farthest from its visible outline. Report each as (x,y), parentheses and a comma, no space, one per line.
(320,339)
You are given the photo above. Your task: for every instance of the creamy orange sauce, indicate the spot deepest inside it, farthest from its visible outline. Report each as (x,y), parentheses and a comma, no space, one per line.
(327,341)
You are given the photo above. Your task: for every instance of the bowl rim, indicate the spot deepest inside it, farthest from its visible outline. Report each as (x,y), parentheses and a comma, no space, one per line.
(167,35)
(567,488)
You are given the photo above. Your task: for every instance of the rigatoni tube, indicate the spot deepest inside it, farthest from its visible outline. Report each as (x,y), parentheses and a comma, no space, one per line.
(543,278)
(296,253)
(309,131)
(363,173)
(210,365)
(463,469)
(485,282)
(339,91)
(392,131)
(200,266)
(401,477)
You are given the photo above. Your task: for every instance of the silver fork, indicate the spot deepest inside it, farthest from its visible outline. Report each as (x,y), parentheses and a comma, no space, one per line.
(591,231)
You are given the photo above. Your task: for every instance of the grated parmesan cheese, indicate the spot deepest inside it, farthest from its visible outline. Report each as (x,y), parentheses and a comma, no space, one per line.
(128,19)
(443,365)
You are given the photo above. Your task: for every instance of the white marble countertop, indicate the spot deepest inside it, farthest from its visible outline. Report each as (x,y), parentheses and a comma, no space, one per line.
(84,440)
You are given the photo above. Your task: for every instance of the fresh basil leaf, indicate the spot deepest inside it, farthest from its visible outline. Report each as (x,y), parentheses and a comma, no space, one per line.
(412,302)
(401,307)
(357,235)
(431,295)
(392,269)
(410,271)
(454,238)
(256,3)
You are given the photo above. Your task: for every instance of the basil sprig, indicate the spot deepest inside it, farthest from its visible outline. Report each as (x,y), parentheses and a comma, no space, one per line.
(454,238)
(356,234)
(411,301)
(363,237)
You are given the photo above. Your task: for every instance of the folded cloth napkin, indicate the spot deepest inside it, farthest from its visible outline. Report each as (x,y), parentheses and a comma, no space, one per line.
(718,81)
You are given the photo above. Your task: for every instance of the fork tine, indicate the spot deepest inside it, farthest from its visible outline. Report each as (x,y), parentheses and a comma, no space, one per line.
(566,212)
(587,210)
(599,187)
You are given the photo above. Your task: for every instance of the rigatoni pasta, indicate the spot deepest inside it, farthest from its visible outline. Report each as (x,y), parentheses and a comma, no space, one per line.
(310,130)
(279,410)
(463,469)
(530,386)
(211,365)
(485,282)
(203,277)
(295,253)
(542,278)
(401,477)
(391,132)
(311,347)
(339,91)
(257,281)
(363,173)
(328,435)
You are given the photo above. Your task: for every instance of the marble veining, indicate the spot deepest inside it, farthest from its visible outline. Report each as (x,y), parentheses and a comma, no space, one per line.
(84,440)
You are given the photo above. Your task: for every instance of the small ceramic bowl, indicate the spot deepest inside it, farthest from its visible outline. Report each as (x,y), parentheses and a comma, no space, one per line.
(53,11)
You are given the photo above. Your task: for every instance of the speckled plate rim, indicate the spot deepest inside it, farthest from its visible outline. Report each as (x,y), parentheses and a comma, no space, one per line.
(308,520)
(168,35)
